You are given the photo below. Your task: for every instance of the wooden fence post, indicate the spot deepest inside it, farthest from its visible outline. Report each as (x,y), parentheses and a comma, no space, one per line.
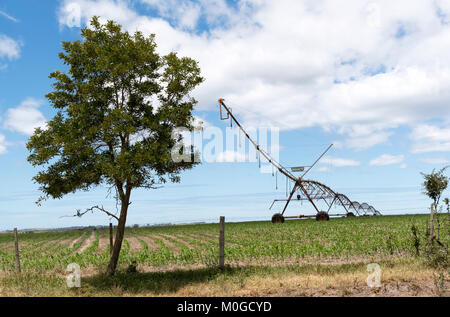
(431,222)
(16,242)
(110,238)
(222,243)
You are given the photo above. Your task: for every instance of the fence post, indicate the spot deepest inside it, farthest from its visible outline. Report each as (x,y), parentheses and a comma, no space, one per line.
(431,222)
(16,242)
(110,238)
(222,243)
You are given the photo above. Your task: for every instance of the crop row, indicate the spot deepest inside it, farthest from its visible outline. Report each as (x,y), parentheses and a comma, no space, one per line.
(198,244)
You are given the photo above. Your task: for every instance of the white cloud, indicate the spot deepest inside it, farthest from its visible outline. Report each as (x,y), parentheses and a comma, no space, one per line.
(339,65)
(431,133)
(365,141)
(3,144)
(25,118)
(9,48)
(429,138)
(387,159)
(74,13)
(339,162)
(323,169)
(230,157)
(434,160)
(183,13)
(430,147)
(338,144)
(6,15)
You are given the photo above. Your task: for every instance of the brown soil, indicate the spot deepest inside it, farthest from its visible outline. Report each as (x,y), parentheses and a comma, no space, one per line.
(8,246)
(76,240)
(200,237)
(44,245)
(64,242)
(87,243)
(49,245)
(394,284)
(207,235)
(179,240)
(169,244)
(135,245)
(388,289)
(103,243)
(152,245)
(209,238)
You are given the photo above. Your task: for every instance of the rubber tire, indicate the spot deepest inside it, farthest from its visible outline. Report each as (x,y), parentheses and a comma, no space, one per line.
(322,216)
(350,214)
(277,218)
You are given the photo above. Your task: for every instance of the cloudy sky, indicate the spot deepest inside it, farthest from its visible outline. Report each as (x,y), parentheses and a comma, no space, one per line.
(371,77)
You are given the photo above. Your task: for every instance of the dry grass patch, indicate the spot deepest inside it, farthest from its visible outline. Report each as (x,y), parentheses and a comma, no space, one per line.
(401,277)
(403,280)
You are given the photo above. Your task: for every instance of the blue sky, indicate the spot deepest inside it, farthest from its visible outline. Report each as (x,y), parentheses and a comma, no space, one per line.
(371,77)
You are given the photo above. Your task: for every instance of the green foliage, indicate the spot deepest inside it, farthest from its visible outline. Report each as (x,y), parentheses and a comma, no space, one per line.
(439,284)
(434,185)
(416,239)
(437,256)
(437,247)
(117,108)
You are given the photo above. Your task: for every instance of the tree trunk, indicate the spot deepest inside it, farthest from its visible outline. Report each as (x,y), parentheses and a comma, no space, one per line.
(119,234)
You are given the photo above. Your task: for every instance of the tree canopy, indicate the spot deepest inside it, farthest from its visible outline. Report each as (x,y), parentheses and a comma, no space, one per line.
(435,183)
(118,106)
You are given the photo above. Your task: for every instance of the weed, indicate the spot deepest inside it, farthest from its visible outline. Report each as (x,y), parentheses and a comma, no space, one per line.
(439,284)
(416,240)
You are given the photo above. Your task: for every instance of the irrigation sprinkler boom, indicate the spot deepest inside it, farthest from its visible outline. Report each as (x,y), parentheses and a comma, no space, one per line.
(307,190)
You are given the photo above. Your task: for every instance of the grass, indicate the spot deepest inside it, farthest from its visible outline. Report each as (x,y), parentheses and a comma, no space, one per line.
(401,277)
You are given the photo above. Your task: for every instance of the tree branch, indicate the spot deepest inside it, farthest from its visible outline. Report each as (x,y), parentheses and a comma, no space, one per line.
(80,214)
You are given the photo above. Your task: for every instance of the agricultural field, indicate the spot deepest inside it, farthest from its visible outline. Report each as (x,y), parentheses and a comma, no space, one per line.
(246,243)
(340,241)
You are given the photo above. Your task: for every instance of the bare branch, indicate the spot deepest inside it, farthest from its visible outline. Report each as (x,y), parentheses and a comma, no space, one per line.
(80,214)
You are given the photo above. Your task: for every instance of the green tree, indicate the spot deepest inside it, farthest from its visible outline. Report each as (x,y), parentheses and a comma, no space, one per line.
(434,185)
(118,107)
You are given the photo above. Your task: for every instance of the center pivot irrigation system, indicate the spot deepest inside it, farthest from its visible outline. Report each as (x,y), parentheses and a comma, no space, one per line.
(307,190)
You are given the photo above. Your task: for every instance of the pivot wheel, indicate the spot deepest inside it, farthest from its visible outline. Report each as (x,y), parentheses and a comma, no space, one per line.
(277,218)
(350,214)
(322,216)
